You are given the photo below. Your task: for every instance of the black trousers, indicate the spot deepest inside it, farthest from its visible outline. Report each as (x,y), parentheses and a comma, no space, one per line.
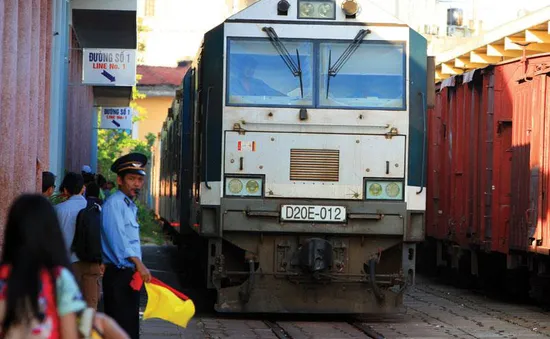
(121,302)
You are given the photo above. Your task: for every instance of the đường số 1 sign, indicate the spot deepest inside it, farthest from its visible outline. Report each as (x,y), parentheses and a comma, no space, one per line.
(116,118)
(109,67)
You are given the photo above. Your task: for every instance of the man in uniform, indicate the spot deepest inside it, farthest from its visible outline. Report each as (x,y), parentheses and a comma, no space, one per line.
(121,244)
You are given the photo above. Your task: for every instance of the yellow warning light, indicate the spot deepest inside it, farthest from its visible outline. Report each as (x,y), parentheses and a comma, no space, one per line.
(350,7)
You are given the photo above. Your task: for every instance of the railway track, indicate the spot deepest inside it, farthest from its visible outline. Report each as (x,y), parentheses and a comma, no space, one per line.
(529,318)
(432,310)
(351,329)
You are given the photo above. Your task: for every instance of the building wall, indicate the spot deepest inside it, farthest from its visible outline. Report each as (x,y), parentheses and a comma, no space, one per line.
(58,93)
(25,43)
(80,110)
(157,108)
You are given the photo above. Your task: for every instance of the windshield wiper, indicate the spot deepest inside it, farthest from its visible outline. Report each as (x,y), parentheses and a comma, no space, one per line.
(296,70)
(353,46)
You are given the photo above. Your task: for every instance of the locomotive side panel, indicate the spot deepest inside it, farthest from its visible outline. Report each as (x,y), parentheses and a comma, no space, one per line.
(208,135)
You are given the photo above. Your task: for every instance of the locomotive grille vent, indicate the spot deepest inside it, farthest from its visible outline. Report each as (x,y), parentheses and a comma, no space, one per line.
(314,165)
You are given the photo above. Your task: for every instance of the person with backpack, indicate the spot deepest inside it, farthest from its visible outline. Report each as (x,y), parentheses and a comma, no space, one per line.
(86,246)
(86,264)
(39,297)
(93,193)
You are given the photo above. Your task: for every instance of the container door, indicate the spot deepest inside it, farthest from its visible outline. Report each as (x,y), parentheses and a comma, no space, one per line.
(534,216)
(525,180)
(543,225)
(504,182)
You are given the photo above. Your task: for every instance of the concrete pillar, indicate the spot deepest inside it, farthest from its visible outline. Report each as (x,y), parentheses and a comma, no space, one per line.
(23,82)
(58,83)
(33,100)
(8,92)
(34,123)
(25,36)
(43,84)
(2,5)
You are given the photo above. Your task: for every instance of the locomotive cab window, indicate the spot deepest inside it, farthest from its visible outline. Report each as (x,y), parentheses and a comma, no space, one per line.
(258,76)
(372,78)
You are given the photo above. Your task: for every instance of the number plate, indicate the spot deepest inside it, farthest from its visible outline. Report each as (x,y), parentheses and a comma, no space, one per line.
(313,213)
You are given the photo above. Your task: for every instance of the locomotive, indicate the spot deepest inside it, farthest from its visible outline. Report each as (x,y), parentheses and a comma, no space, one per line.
(293,159)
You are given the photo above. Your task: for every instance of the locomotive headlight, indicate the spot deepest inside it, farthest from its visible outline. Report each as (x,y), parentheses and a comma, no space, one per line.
(235,186)
(315,9)
(375,189)
(243,187)
(306,10)
(393,190)
(252,186)
(383,190)
(326,10)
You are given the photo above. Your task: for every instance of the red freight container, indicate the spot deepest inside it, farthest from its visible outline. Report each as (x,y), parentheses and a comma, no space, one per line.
(531,143)
(467,141)
(488,163)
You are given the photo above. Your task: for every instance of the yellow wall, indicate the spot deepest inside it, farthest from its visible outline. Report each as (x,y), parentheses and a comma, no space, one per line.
(157,109)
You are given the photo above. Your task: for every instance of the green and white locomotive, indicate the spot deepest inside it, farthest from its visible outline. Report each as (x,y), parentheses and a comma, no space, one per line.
(293,159)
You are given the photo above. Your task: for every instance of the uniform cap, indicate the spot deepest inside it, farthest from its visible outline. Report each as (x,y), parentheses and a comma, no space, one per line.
(130,163)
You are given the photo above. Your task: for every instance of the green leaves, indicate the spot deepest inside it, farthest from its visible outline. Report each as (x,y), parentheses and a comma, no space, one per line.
(111,144)
(57,198)
(149,227)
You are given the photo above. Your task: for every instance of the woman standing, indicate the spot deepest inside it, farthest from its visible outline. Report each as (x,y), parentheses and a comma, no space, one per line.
(39,297)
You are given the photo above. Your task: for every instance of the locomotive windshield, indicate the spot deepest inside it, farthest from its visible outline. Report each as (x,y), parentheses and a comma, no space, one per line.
(373,77)
(258,76)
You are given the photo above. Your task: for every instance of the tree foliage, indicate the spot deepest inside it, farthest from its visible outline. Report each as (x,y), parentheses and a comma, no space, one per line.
(114,143)
(142,29)
(111,144)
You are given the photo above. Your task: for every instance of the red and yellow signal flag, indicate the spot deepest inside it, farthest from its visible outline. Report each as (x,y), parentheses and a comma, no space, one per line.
(164,302)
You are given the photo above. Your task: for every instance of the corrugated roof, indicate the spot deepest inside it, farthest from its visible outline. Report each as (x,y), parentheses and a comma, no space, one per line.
(506,42)
(158,75)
